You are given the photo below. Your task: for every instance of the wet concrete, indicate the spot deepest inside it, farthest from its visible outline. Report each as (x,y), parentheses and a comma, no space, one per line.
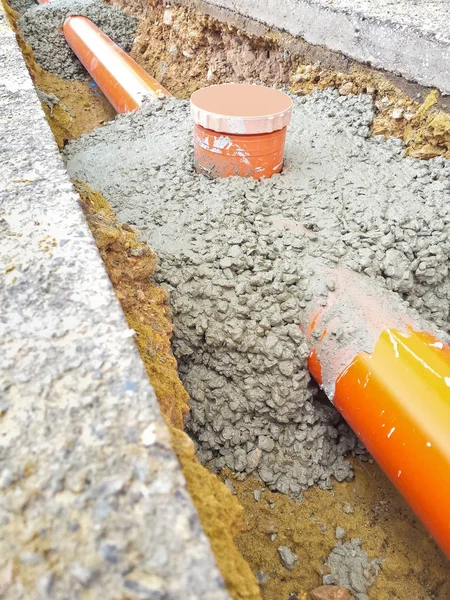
(238,258)
(41,27)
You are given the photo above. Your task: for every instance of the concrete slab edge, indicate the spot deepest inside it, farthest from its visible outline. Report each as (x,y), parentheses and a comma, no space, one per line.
(400,49)
(92,497)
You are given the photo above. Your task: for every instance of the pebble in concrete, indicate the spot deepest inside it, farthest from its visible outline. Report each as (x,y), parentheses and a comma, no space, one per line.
(238,259)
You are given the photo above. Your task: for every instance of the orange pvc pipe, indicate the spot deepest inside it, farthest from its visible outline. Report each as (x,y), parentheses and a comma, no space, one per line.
(120,78)
(397,400)
(257,156)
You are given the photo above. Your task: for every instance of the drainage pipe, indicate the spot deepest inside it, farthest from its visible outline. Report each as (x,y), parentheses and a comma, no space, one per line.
(390,380)
(124,83)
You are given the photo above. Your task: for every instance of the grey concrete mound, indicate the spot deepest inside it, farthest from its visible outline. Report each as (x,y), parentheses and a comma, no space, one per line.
(239,259)
(406,37)
(93,501)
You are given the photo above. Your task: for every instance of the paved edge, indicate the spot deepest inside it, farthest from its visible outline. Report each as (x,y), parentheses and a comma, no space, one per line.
(400,49)
(92,497)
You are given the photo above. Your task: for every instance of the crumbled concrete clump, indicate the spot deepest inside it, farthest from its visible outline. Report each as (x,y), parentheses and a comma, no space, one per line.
(41,27)
(238,259)
(351,568)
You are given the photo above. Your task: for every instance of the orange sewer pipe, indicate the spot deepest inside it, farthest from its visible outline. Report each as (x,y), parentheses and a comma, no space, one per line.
(389,380)
(120,78)
(391,383)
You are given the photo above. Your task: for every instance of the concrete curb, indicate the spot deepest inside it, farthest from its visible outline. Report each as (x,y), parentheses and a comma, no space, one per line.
(403,38)
(93,500)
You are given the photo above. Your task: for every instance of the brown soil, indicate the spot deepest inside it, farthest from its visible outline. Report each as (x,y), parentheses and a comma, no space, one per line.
(414,568)
(196,50)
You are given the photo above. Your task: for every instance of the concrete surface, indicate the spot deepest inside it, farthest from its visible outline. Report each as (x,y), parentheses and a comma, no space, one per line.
(92,499)
(407,37)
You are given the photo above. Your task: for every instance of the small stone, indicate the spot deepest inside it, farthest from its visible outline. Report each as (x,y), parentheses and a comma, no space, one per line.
(340,533)
(301,77)
(273,537)
(262,578)
(257,495)
(172,50)
(230,486)
(330,592)
(346,88)
(370,90)
(84,575)
(187,54)
(409,116)
(248,57)
(328,579)
(253,459)
(286,368)
(6,478)
(347,508)
(146,586)
(168,17)
(6,577)
(226,262)
(148,436)
(288,558)
(30,558)
(266,443)
(44,586)
(397,113)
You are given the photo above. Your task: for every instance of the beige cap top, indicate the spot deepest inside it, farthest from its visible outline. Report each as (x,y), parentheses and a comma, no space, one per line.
(241,108)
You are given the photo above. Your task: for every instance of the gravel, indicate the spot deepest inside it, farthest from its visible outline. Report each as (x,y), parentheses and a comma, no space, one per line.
(239,258)
(41,27)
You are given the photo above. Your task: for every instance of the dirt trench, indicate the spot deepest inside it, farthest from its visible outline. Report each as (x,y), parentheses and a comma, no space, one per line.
(246,523)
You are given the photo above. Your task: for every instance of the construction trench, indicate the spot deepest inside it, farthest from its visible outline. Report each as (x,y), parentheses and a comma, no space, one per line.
(215,275)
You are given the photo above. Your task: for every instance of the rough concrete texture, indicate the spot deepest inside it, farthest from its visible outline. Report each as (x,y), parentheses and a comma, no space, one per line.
(41,27)
(21,6)
(93,502)
(409,38)
(351,568)
(238,256)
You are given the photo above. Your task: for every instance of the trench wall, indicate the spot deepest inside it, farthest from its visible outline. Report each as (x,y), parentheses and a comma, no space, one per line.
(93,499)
(406,38)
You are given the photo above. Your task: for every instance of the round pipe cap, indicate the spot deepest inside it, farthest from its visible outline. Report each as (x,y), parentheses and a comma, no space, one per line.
(241,108)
